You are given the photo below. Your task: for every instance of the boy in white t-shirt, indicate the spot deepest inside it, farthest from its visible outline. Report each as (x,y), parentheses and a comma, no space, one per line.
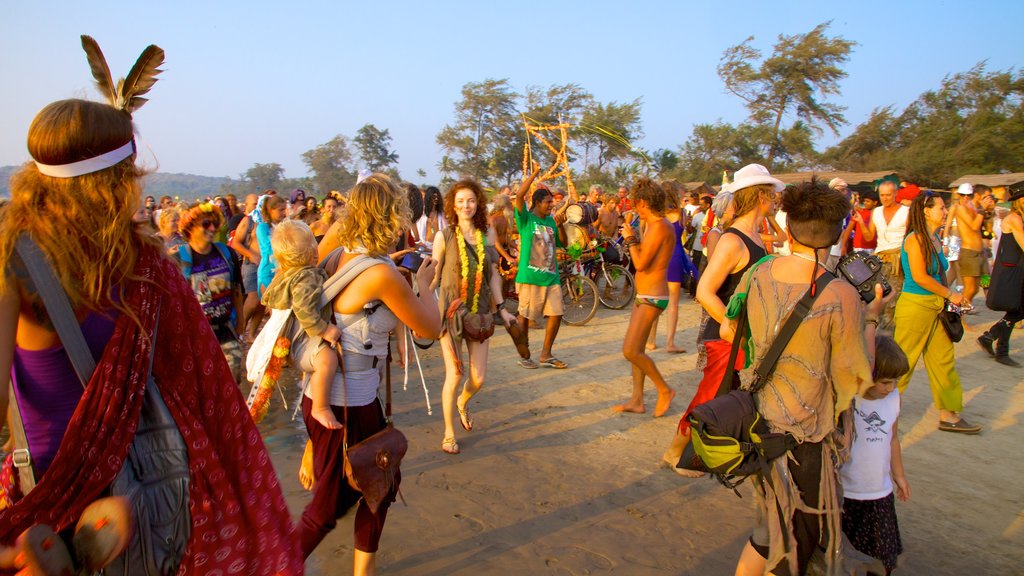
(875,469)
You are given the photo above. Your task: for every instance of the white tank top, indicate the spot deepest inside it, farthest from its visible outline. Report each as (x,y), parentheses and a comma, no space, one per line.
(890,234)
(867,475)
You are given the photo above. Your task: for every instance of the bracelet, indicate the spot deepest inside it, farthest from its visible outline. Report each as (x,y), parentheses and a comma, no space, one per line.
(872,321)
(631,241)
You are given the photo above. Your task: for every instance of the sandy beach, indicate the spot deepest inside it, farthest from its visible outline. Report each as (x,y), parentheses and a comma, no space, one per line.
(551,481)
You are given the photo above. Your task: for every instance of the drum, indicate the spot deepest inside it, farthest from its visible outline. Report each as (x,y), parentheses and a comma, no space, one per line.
(582,213)
(577,236)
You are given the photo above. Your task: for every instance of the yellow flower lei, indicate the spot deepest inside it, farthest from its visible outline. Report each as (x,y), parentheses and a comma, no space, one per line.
(464,263)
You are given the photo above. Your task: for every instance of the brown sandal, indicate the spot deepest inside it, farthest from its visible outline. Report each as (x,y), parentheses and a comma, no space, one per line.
(450,446)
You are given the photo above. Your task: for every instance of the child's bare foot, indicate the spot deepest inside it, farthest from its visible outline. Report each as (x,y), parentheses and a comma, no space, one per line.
(630,407)
(306,467)
(325,416)
(687,473)
(673,349)
(652,346)
(664,401)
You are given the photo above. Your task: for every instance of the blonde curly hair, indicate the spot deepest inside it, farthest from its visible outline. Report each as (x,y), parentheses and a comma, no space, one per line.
(82,224)
(375,216)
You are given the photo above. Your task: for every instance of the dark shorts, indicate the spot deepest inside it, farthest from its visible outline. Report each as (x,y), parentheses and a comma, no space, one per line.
(971,263)
(249,282)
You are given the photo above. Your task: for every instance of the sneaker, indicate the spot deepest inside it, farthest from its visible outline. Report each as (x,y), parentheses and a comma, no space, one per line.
(961,426)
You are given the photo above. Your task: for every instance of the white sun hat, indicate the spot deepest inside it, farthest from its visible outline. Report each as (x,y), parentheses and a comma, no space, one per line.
(965,189)
(751,175)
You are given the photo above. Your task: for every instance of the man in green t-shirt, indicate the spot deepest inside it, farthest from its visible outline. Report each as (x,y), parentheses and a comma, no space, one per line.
(537,280)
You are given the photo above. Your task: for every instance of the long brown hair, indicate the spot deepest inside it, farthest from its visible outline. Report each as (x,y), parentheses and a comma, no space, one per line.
(480,218)
(917,224)
(82,224)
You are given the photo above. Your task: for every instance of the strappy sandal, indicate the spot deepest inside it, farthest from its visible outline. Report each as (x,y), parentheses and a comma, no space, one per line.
(450,446)
(554,363)
(465,419)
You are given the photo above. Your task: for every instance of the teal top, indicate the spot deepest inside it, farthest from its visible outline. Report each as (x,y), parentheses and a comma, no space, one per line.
(936,270)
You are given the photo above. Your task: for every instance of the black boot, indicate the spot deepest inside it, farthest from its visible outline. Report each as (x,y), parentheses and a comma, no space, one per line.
(1003,345)
(987,339)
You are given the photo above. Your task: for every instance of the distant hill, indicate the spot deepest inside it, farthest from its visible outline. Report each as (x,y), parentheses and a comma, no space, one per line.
(183,186)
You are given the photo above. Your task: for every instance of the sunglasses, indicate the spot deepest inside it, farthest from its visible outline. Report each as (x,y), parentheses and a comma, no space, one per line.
(211,224)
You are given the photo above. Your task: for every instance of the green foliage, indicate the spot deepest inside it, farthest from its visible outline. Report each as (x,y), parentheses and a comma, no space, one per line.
(374,146)
(973,124)
(801,73)
(608,130)
(263,176)
(713,148)
(479,144)
(331,164)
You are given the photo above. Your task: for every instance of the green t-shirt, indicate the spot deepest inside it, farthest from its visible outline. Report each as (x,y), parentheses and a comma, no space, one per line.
(537,240)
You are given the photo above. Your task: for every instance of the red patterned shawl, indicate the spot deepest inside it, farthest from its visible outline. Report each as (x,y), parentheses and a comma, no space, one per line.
(240,521)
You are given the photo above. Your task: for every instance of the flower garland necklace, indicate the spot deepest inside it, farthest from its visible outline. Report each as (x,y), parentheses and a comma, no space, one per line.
(464,262)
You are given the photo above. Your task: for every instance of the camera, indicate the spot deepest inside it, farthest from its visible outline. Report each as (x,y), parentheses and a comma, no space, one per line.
(414,259)
(863,271)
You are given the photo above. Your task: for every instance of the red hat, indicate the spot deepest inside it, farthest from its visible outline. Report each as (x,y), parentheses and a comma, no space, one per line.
(908,192)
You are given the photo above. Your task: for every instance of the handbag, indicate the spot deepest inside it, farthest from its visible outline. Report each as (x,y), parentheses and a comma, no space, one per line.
(372,465)
(728,436)
(1007,281)
(155,477)
(951,321)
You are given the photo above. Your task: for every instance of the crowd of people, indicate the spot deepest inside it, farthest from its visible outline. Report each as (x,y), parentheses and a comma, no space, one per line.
(194,282)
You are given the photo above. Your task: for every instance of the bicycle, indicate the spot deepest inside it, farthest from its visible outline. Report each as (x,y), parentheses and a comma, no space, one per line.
(579,292)
(616,287)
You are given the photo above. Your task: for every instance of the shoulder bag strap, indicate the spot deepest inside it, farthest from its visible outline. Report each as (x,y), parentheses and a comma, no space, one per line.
(58,307)
(765,369)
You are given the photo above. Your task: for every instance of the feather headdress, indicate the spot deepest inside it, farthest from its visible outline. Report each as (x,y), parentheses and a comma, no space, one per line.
(126,96)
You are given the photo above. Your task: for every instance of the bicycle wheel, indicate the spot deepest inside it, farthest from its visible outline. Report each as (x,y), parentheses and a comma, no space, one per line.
(615,286)
(579,298)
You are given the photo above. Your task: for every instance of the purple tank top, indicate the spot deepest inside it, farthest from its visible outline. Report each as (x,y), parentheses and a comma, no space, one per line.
(48,390)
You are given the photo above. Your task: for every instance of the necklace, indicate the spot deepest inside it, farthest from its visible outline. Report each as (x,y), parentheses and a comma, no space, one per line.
(478,236)
(804,257)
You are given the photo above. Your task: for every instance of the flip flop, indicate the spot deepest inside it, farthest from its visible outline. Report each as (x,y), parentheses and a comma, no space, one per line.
(527,363)
(554,363)
(450,446)
(465,419)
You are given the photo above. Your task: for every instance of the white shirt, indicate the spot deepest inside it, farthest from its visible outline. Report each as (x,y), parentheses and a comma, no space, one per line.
(780,219)
(868,473)
(889,235)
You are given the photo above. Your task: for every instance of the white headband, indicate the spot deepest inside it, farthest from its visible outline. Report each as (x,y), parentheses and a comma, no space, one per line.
(89,165)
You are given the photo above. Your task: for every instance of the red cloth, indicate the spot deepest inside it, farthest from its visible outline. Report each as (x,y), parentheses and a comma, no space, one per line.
(240,521)
(858,236)
(908,192)
(709,223)
(625,205)
(718,358)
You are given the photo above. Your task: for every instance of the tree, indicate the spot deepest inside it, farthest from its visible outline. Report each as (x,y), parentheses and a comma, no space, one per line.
(264,176)
(558,103)
(802,71)
(973,124)
(374,146)
(486,128)
(331,164)
(663,161)
(609,130)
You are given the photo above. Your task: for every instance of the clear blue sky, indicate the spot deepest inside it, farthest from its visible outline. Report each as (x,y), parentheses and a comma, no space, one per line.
(249,82)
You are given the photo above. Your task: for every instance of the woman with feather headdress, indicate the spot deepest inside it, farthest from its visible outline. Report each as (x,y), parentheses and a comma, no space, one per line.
(129,299)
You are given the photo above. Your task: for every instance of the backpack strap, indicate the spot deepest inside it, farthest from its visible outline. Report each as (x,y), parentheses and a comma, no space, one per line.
(185,257)
(765,369)
(225,253)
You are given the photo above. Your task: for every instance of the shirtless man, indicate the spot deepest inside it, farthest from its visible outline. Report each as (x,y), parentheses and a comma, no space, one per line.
(651,258)
(976,203)
(887,227)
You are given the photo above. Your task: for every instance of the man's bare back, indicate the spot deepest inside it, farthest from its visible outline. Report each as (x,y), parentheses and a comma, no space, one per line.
(652,280)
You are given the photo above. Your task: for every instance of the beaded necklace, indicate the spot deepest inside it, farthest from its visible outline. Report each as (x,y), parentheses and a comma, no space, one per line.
(464,262)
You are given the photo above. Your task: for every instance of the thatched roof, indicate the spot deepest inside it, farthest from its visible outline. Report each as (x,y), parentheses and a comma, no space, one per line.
(990,179)
(701,187)
(851,178)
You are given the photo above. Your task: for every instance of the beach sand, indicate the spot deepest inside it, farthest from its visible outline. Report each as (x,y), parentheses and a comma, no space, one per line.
(551,481)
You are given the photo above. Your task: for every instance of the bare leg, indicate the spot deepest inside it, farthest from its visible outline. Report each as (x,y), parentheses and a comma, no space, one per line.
(524,324)
(252,314)
(550,332)
(652,338)
(970,288)
(365,563)
(325,366)
(451,384)
(675,452)
(640,322)
(402,340)
(478,352)
(306,477)
(672,320)
(751,563)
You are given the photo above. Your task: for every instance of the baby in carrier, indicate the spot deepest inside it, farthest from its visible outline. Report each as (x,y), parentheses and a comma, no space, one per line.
(298,285)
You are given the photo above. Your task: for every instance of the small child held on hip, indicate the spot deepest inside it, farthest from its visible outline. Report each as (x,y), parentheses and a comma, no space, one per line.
(298,284)
(875,469)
